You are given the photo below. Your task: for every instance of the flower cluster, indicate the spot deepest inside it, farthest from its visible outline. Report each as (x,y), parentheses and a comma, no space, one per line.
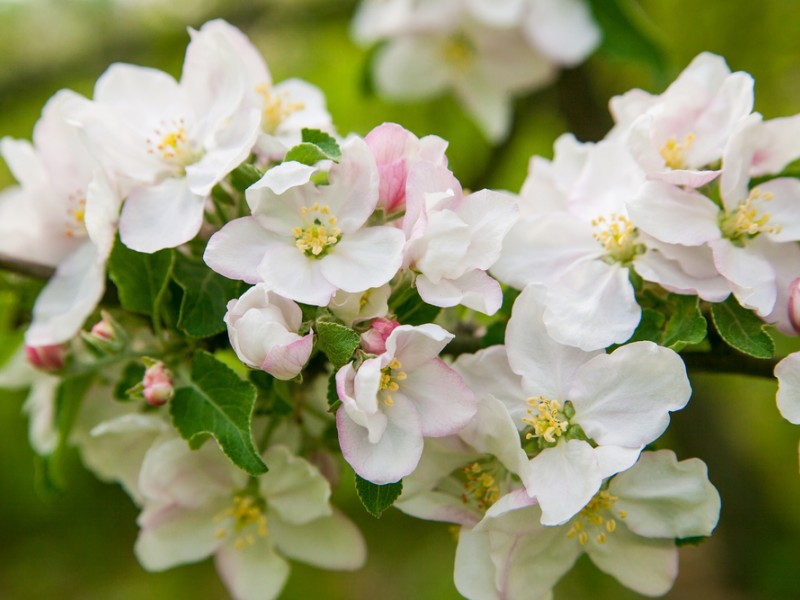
(279,288)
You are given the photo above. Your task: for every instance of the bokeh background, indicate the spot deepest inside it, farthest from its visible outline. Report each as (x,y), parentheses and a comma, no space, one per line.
(78,545)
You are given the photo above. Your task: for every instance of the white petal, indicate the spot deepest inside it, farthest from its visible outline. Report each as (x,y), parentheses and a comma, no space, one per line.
(474,573)
(332,542)
(778,145)
(288,271)
(624,398)
(237,249)
(783,208)
(411,69)
(564,31)
(294,488)
(787,372)
(475,290)
(252,573)
(365,259)
(752,276)
(163,216)
(664,498)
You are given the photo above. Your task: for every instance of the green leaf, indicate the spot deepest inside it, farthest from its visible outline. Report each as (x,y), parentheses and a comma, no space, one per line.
(337,342)
(628,34)
(245,175)
(316,146)
(742,329)
(333,396)
(691,541)
(412,310)
(141,279)
(220,404)
(650,327)
(205,297)
(686,324)
(377,498)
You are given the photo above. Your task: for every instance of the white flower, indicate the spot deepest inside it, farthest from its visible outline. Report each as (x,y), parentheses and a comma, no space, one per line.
(172,141)
(63,215)
(628,530)
(196,503)
(787,371)
(392,401)
(306,242)
(262,327)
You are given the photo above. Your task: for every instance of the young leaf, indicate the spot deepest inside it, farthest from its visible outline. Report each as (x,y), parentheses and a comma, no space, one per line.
(377,498)
(205,297)
(412,310)
(686,324)
(316,146)
(245,175)
(336,341)
(650,326)
(742,329)
(141,279)
(220,404)
(333,396)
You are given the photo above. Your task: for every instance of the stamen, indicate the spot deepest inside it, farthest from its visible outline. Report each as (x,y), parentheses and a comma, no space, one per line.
(674,153)
(746,222)
(247,514)
(315,238)
(546,418)
(618,236)
(277,107)
(390,376)
(480,487)
(594,515)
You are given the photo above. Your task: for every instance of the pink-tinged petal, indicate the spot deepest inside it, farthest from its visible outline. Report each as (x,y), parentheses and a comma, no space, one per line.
(546,366)
(353,189)
(332,542)
(540,249)
(646,565)
(624,398)
(752,276)
(68,298)
(254,572)
(440,413)
(172,535)
(563,479)
(787,372)
(286,362)
(564,31)
(670,274)
(674,215)
(685,177)
(288,271)
(592,306)
(365,259)
(664,498)
(163,216)
(778,145)
(414,346)
(394,456)
(237,249)
(475,290)
(783,208)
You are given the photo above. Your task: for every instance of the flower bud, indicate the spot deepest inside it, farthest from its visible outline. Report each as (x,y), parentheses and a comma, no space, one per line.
(103,331)
(47,358)
(158,388)
(794,305)
(374,339)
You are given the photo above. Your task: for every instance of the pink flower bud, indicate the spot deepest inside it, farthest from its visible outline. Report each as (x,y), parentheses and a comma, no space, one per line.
(794,305)
(103,330)
(47,358)
(157,383)
(374,339)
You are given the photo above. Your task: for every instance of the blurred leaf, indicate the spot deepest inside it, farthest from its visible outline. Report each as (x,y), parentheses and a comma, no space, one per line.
(410,309)
(205,297)
(377,498)
(336,341)
(132,375)
(242,177)
(650,327)
(220,404)
(686,325)
(628,34)
(316,146)
(742,329)
(141,279)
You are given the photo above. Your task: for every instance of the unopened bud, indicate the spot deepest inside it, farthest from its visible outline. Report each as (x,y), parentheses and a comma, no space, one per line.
(47,358)
(158,388)
(794,305)
(103,330)
(374,339)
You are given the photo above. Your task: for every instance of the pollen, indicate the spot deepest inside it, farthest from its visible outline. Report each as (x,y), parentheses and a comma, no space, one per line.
(547,419)
(319,232)
(674,152)
(246,521)
(391,375)
(172,145)
(480,487)
(748,219)
(277,107)
(596,519)
(75,221)
(618,237)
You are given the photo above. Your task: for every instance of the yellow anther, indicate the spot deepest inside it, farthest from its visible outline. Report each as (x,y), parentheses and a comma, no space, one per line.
(390,376)
(480,488)
(583,538)
(247,520)
(595,515)
(746,221)
(601,538)
(617,235)
(277,107)
(388,400)
(173,146)
(611,525)
(674,153)
(315,238)
(546,418)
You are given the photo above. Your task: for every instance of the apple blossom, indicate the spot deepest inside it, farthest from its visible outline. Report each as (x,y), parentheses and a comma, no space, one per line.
(262,327)
(394,400)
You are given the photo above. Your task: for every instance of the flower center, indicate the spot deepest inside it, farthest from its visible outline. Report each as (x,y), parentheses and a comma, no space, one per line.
(319,232)
(458,52)
(618,237)
(391,375)
(748,220)
(75,222)
(172,145)
(674,152)
(246,518)
(547,419)
(480,487)
(277,107)
(595,518)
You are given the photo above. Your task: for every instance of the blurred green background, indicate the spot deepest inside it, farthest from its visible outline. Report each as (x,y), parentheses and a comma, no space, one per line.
(79,545)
